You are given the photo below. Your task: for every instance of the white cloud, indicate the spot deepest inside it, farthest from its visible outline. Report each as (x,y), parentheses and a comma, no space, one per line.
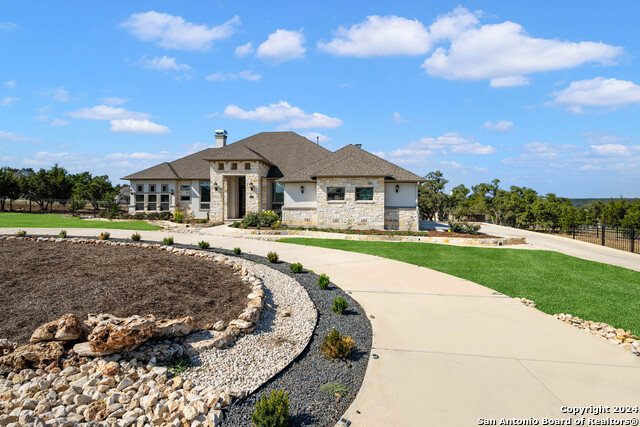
(59,122)
(463,169)
(449,143)
(163,63)
(613,150)
(503,52)
(137,126)
(8,26)
(282,46)
(173,32)
(397,118)
(10,136)
(10,84)
(244,50)
(115,100)
(313,136)
(60,94)
(106,112)
(42,118)
(380,36)
(163,155)
(244,75)
(294,117)
(597,92)
(8,101)
(500,125)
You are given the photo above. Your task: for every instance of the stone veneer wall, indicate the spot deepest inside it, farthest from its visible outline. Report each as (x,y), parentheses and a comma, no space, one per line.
(255,200)
(401,219)
(307,217)
(349,212)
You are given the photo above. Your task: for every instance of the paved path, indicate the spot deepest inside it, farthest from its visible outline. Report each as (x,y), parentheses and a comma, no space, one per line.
(567,246)
(451,351)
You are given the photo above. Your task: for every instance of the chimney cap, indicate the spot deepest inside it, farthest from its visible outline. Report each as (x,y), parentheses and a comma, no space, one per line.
(220,132)
(358,145)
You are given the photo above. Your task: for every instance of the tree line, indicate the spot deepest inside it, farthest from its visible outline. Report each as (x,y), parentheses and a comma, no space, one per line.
(46,185)
(519,207)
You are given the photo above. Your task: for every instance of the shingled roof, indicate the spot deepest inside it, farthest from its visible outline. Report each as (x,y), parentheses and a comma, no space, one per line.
(351,161)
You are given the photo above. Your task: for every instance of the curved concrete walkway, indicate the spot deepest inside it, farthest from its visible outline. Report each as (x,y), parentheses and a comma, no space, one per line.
(451,351)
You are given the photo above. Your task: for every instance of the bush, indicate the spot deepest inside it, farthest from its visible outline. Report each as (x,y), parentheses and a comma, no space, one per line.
(237,251)
(167,241)
(339,305)
(272,257)
(136,237)
(272,411)
(21,233)
(323,282)
(250,220)
(62,234)
(138,216)
(104,236)
(335,388)
(336,346)
(202,221)
(261,219)
(203,245)
(236,224)
(464,227)
(296,268)
(178,217)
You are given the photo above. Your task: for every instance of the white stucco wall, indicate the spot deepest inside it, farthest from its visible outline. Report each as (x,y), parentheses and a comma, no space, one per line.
(407,195)
(294,197)
(145,191)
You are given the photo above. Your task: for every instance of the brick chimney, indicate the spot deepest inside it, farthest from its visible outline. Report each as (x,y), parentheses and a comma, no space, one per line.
(221,138)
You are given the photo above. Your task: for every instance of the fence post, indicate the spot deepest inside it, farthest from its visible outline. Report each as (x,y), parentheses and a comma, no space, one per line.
(574,232)
(633,239)
(603,232)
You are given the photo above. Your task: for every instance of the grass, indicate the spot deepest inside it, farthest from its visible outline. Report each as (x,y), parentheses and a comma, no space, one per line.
(557,283)
(15,219)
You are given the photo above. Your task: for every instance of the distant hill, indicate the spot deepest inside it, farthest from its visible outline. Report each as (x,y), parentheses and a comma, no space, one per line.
(578,203)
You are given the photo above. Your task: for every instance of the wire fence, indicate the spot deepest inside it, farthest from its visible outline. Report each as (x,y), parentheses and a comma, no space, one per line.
(63,206)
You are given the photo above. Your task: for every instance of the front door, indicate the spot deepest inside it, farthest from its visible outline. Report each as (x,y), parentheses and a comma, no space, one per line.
(242,204)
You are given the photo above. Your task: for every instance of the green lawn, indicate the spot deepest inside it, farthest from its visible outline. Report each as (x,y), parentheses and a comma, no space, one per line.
(557,283)
(14,219)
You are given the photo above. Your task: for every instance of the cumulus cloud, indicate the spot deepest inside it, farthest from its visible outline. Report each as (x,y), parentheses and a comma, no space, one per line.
(282,46)
(504,53)
(244,50)
(10,136)
(294,117)
(163,155)
(114,100)
(164,63)
(615,150)
(500,125)
(8,101)
(397,118)
(59,122)
(242,75)
(60,94)
(11,84)
(449,143)
(173,32)
(597,92)
(380,36)
(461,168)
(316,136)
(107,112)
(137,126)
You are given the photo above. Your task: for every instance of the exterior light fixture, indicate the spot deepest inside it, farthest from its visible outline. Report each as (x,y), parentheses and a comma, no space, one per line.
(172,191)
(302,189)
(397,187)
(215,185)
(251,186)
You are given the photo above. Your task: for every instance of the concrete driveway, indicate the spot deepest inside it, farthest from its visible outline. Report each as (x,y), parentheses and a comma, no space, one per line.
(451,351)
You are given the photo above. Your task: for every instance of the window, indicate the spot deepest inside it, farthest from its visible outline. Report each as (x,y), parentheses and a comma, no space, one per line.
(247,166)
(140,188)
(139,202)
(220,166)
(277,196)
(185,198)
(164,202)
(184,188)
(152,188)
(335,193)
(205,195)
(364,193)
(234,166)
(151,204)
(165,188)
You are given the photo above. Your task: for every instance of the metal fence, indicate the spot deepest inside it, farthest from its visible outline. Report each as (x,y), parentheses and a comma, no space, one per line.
(625,239)
(61,206)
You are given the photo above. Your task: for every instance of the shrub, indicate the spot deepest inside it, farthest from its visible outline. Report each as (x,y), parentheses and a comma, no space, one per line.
(323,282)
(153,216)
(203,245)
(21,233)
(138,216)
(336,346)
(136,237)
(339,305)
(250,220)
(464,227)
(272,411)
(167,241)
(296,268)
(202,221)
(261,219)
(272,257)
(335,388)
(177,364)
(237,251)
(62,234)
(104,236)
(178,217)
(236,224)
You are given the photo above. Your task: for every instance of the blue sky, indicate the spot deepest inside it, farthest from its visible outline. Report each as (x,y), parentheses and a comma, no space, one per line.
(534,95)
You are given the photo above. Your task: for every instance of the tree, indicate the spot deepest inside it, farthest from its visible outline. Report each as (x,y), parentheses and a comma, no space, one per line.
(9,185)
(487,198)
(569,218)
(614,212)
(92,188)
(432,200)
(459,205)
(632,217)
(45,185)
(548,209)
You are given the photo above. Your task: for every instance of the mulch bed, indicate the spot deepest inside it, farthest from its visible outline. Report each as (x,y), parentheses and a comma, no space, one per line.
(374,232)
(41,281)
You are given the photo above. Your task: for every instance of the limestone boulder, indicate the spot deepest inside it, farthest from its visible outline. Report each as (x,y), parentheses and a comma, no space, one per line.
(38,355)
(113,334)
(7,346)
(168,328)
(66,328)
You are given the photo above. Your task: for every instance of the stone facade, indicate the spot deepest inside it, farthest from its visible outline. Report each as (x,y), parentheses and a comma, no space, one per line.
(349,213)
(405,219)
(255,177)
(306,217)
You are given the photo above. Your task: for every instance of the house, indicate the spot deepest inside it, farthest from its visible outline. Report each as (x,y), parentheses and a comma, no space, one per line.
(287,173)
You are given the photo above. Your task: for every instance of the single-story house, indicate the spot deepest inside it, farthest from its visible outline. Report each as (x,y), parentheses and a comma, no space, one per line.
(286,173)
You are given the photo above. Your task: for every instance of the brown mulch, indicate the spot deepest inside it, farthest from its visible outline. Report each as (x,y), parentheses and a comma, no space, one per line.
(41,281)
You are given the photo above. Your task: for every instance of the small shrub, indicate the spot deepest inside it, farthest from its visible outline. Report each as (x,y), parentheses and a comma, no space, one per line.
(335,388)
(336,346)
(236,224)
(203,245)
(202,221)
(272,257)
(323,282)
(136,237)
(250,220)
(153,216)
(339,305)
(62,234)
(178,217)
(177,364)
(167,241)
(237,251)
(261,219)
(21,233)
(300,228)
(104,236)
(272,411)
(138,216)
(464,227)
(296,268)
